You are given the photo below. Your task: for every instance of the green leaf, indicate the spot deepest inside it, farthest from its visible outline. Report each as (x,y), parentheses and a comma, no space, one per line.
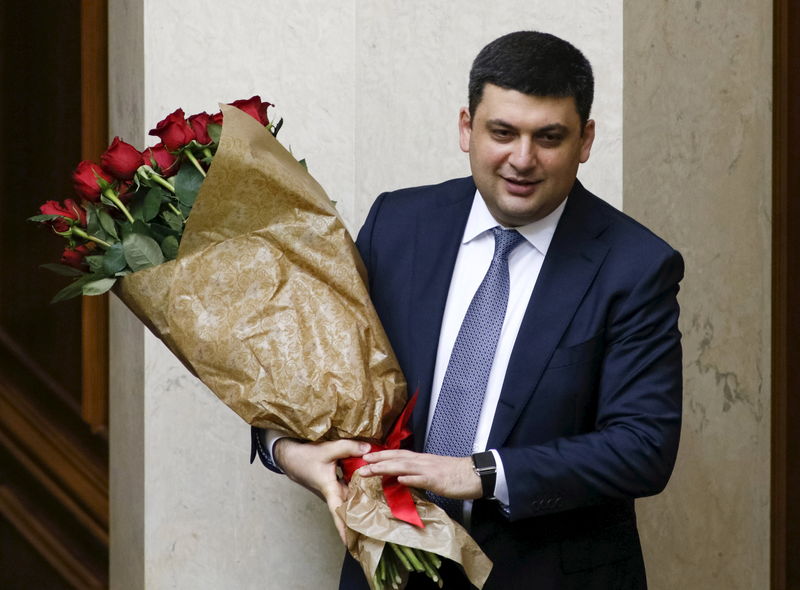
(98,287)
(275,128)
(106,201)
(92,220)
(174,221)
(114,259)
(303,163)
(152,203)
(141,251)
(95,263)
(187,183)
(63,269)
(159,232)
(107,223)
(214,131)
(102,235)
(73,289)
(140,227)
(169,246)
(125,229)
(41,218)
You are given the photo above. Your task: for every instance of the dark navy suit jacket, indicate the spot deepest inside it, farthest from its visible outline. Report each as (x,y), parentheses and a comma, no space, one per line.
(590,410)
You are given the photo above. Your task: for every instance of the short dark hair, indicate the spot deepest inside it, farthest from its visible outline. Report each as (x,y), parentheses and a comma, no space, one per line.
(533,63)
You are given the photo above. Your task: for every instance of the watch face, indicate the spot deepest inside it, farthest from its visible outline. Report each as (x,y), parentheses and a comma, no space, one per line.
(484,462)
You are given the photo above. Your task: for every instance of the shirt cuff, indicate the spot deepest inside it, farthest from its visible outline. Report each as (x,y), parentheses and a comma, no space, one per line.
(500,485)
(272,436)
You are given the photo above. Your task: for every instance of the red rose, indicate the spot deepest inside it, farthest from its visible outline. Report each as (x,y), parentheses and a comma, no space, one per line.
(174,131)
(199,123)
(69,210)
(164,160)
(254,107)
(121,159)
(216,118)
(127,190)
(74,257)
(84,179)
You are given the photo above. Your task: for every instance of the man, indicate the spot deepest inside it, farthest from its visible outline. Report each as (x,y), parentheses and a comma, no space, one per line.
(539,325)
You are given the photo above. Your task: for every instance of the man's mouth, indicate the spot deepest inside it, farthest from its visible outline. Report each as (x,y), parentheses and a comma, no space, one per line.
(520,186)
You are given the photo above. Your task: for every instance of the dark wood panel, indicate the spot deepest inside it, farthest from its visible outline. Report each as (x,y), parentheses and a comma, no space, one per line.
(54,456)
(785,518)
(57,551)
(41,121)
(53,465)
(38,572)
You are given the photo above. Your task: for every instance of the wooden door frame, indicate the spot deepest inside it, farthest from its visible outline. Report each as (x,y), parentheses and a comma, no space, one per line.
(785,415)
(94,141)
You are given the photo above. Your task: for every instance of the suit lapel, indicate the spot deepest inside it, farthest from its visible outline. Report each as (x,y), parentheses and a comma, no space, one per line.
(572,261)
(438,236)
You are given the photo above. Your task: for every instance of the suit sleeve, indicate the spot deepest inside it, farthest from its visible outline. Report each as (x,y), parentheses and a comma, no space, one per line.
(632,449)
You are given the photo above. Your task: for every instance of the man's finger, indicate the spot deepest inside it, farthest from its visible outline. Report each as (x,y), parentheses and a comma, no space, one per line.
(379,456)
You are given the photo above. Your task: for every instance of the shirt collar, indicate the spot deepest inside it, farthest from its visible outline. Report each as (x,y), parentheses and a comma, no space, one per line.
(539,233)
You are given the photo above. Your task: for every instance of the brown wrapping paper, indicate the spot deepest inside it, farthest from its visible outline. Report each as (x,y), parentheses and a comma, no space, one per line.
(264,256)
(267,304)
(370,525)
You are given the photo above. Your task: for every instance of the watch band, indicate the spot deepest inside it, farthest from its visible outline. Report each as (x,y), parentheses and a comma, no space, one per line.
(486,468)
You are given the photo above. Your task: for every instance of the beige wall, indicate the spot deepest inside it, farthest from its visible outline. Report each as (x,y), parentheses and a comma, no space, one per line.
(697,171)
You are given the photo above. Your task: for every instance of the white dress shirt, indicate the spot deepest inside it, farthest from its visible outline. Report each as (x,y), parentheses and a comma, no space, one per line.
(473,260)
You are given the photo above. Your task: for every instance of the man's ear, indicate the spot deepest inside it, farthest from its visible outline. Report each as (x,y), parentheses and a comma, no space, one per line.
(464,129)
(587,138)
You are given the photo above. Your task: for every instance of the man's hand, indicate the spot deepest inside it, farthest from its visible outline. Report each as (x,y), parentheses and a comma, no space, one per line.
(313,466)
(451,477)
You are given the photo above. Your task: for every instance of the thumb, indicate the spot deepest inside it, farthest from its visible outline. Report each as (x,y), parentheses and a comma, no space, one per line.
(335,495)
(343,448)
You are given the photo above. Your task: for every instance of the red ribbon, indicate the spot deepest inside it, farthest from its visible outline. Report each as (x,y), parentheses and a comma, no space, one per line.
(398,496)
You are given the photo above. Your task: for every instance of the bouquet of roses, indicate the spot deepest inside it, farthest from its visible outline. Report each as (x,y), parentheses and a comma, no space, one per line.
(133,206)
(220,241)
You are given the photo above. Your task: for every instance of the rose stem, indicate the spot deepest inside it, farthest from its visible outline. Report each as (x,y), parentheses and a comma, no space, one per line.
(194,161)
(78,231)
(112,196)
(160,180)
(176,211)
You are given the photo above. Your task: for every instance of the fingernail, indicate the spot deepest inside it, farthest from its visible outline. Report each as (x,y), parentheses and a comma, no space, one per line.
(365,447)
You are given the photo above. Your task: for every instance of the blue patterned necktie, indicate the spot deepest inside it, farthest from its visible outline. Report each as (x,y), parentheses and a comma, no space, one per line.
(455,419)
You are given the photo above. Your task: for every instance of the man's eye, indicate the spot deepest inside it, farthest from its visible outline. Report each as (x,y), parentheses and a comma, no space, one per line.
(501,133)
(550,139)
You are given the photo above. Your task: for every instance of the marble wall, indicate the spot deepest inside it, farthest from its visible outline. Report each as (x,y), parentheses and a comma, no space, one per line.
(697,145)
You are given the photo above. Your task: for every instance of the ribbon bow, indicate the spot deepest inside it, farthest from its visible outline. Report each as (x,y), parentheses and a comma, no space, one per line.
(398,496)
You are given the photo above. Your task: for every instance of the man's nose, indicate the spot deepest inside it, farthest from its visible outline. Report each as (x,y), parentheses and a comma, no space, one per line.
(523,155)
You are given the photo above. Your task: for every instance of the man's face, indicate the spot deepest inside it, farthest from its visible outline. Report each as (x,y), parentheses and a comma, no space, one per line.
(524,152)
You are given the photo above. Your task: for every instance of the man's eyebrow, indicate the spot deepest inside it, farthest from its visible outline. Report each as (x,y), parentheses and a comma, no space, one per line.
(551,128)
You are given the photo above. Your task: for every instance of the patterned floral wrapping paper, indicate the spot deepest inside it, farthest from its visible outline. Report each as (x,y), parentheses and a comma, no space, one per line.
(267,303)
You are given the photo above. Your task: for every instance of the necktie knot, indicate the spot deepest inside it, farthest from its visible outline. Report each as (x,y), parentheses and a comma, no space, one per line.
(505,240)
